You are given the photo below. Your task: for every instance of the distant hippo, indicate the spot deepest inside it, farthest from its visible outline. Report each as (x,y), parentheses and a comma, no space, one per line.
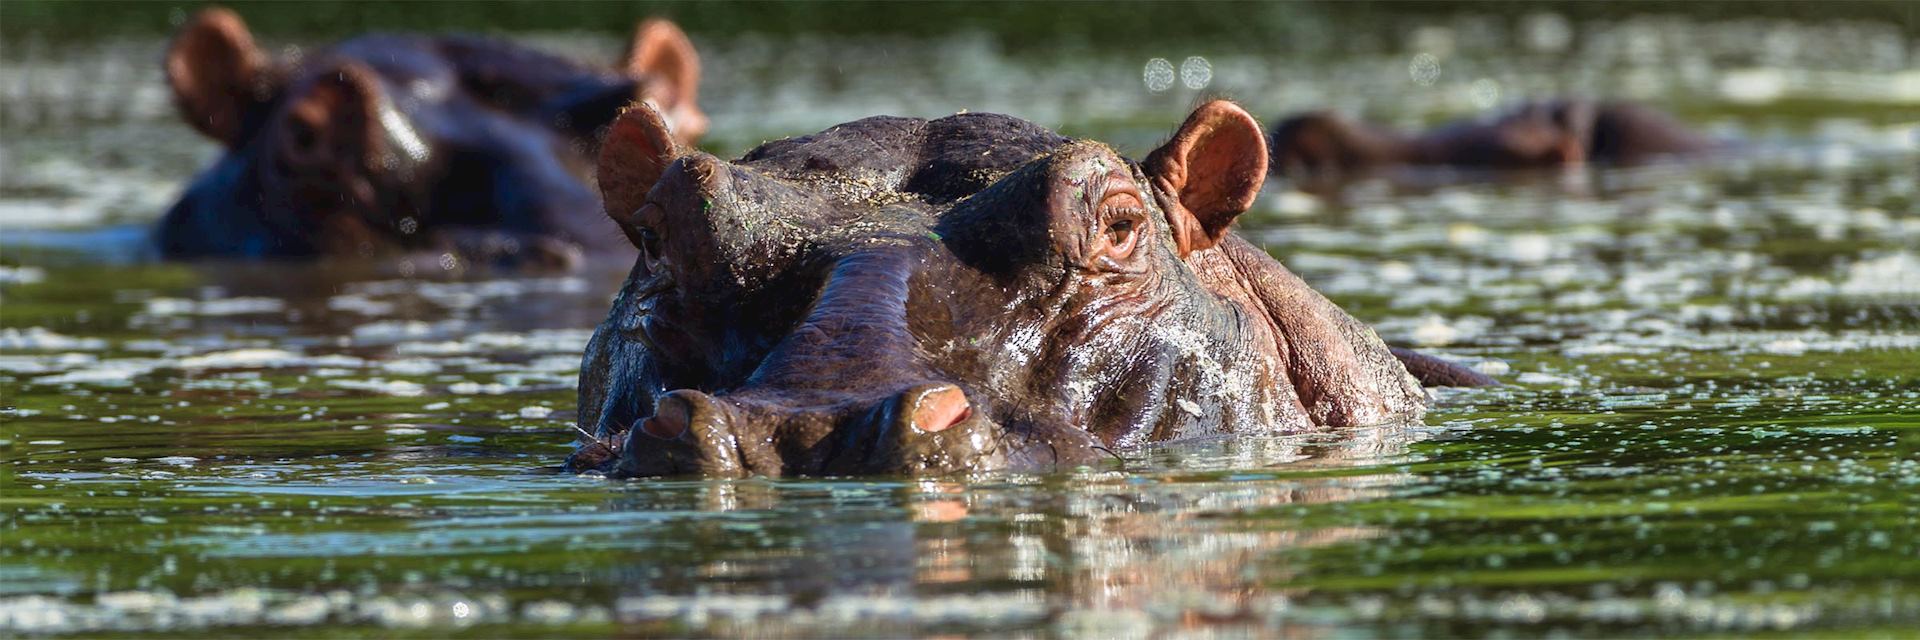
(407,143)
(1322,145)
(897,295)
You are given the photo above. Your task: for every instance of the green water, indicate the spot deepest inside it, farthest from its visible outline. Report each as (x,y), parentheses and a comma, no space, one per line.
(1711,426)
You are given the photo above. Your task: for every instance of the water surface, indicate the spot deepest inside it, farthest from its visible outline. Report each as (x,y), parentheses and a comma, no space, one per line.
(1712,425)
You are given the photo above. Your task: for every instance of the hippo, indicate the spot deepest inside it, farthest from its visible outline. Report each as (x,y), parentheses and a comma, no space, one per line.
(1322,145)
(407,143)
(970,293)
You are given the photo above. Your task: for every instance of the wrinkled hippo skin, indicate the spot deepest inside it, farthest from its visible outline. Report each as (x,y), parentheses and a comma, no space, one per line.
(896,295)
(1323,145)
(406,143)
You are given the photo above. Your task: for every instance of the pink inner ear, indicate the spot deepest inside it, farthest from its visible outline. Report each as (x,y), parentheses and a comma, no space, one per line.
(1213,168)
(662,51)
(212,66)
(663,56)
(637,150)
(1225,170)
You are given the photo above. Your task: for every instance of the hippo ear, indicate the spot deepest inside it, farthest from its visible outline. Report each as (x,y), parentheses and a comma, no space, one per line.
(662,55)
(637,150)
(1209,173)
(216,73)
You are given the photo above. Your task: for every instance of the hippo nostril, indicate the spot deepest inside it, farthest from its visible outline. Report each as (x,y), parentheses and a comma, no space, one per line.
(669,420)
(938,408)
(663,428)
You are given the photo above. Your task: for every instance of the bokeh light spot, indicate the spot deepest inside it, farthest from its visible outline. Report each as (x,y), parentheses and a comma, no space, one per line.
(1424,69)
(1484,92)
(1158,75)
(1196,72)
(1547,32)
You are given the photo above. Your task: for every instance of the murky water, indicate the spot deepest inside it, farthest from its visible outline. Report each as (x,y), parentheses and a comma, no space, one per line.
(1713,425)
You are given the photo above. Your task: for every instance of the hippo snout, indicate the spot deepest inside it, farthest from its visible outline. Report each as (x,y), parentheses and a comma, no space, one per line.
(689,432)
(925,429)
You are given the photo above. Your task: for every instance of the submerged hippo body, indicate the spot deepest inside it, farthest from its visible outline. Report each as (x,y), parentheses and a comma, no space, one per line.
(405,143)
(1323,145)
(968,293)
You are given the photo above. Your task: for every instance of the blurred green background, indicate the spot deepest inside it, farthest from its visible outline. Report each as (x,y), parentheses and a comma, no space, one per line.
(1239,25)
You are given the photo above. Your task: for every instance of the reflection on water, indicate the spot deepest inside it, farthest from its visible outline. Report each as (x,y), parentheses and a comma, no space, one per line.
(1713,424)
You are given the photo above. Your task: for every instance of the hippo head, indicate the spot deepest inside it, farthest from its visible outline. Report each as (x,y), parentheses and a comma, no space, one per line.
(899,295)
(1539,134)
(386,139)
(1322,145)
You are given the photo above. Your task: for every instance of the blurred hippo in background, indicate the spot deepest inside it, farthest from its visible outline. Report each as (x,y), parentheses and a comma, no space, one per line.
(897,295)
(407,144)
(1321,146)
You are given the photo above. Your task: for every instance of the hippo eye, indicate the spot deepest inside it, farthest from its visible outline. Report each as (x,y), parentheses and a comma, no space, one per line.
(642,228)
(304,138)
(1121,217)
(1120,232)
(650,241)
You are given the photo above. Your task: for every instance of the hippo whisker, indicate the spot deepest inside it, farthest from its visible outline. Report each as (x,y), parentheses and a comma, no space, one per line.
(1110,452)
(593,439)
